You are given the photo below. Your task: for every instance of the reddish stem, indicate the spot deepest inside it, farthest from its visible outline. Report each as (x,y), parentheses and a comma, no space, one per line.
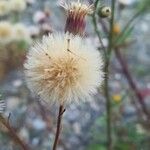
(13,134)
(131,81)
(59,120)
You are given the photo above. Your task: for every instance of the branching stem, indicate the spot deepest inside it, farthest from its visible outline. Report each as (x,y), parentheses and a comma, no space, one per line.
(13,134)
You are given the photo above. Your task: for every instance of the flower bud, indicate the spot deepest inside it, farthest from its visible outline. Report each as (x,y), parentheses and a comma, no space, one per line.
(104,12)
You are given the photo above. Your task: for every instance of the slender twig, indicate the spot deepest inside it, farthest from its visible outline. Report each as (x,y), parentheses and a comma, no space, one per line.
(13,134)
(58,130)
(106,69)
(131,81)
(94,20)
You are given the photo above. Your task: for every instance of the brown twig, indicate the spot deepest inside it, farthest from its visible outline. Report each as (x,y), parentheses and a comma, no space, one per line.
(131,81)
(13,134)
(48,120)
(59,120)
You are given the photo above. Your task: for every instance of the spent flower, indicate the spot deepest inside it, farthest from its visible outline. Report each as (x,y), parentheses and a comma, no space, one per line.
(6,32)
(76,13)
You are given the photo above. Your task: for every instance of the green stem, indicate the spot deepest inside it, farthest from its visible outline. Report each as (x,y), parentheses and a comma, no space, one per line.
(12,133)
(106,69)
(94,20)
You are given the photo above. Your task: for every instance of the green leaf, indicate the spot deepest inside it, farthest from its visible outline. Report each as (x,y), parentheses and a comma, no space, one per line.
(96,147)
(125,35)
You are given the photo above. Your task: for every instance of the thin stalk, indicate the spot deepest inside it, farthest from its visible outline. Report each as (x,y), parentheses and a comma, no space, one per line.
(106,69)
(13,134)
(131,81)
(58,130)
(95,23)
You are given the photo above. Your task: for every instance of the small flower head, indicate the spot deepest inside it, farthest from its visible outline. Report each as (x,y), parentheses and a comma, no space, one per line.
(5,32)
(17,5)
(116,98)
(4,7)
(63,69)
(21,33)
(76,13)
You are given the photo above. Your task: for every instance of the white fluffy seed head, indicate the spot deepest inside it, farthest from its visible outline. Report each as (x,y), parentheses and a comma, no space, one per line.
(17,5)
(63,68)
(6,33)
(21,32)
(4,9)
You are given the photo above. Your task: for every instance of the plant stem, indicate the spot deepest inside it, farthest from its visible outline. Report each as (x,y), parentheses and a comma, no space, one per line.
(106,69)
(131,81)
(59,120)
(94,20)
(13,134)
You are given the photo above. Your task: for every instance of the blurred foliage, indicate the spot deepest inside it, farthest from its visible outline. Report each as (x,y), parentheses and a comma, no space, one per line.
(143,6)
(126,137)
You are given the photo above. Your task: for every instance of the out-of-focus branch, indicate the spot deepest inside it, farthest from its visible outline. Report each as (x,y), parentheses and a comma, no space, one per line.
(13,134)
(131,81)
(95,23)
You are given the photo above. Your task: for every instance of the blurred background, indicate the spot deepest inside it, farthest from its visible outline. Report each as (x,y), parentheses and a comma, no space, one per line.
(22,22)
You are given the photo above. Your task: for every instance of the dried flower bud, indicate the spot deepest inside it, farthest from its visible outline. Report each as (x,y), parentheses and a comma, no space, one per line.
(76,13)
(104,12)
